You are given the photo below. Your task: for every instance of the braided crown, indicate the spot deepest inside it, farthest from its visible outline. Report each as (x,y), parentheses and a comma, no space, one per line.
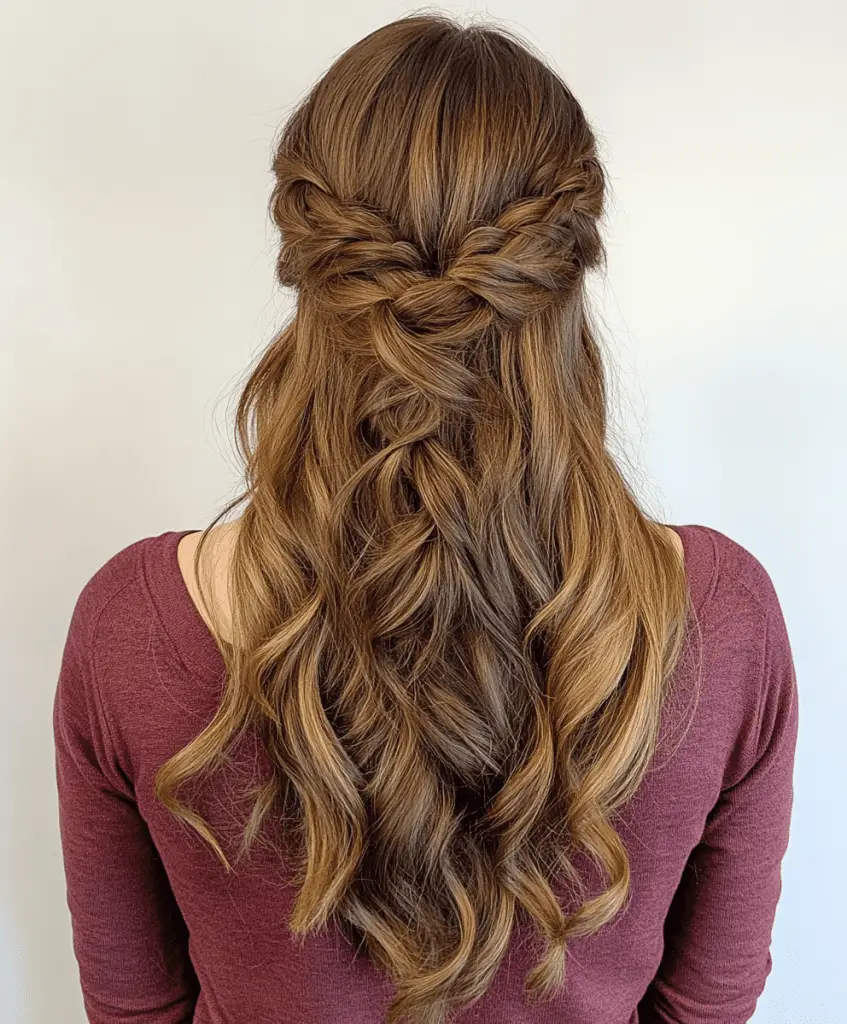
(351,260)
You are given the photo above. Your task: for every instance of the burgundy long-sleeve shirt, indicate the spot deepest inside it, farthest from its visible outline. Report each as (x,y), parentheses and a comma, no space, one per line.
(163,934)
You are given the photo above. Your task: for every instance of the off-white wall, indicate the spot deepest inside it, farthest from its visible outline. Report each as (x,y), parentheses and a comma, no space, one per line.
(136,283)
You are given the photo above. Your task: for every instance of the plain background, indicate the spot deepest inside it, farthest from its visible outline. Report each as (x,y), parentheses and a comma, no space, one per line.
(136,286)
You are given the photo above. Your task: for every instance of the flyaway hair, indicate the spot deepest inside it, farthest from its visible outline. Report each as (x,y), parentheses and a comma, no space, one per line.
(452,625)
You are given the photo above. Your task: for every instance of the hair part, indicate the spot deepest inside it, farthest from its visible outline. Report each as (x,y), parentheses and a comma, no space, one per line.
(452,625)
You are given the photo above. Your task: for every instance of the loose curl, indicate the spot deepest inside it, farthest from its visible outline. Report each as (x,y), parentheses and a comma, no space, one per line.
(452,625)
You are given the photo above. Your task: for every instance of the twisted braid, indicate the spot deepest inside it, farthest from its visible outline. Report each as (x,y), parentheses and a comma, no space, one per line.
(352,262)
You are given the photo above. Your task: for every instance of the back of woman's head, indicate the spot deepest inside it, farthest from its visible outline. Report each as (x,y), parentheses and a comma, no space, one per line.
(451,623)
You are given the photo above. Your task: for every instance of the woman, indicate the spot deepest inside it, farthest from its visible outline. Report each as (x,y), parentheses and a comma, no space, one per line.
(443,726)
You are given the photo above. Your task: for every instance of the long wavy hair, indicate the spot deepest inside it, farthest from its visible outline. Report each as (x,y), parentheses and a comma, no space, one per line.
(451,623)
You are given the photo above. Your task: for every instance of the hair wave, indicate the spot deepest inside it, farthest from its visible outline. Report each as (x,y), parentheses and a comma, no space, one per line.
(452,625)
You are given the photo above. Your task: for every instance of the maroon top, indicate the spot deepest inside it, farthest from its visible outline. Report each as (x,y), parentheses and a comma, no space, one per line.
(163,934)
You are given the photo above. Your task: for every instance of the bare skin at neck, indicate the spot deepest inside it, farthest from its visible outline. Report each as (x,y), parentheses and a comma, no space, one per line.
(217,554)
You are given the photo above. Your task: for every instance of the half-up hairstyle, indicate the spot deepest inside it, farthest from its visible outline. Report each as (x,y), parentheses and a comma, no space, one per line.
(452,625)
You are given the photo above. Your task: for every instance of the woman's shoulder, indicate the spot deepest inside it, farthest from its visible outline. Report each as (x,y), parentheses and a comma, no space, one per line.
(139,670)
(749,682)
(121,575)
(113,576)
(730,576)
(132,595)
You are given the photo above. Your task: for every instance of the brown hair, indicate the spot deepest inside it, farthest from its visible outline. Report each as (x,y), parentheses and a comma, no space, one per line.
(451,623)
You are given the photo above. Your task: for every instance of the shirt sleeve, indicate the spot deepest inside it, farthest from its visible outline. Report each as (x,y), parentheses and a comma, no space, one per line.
(718,930)
(129,938)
